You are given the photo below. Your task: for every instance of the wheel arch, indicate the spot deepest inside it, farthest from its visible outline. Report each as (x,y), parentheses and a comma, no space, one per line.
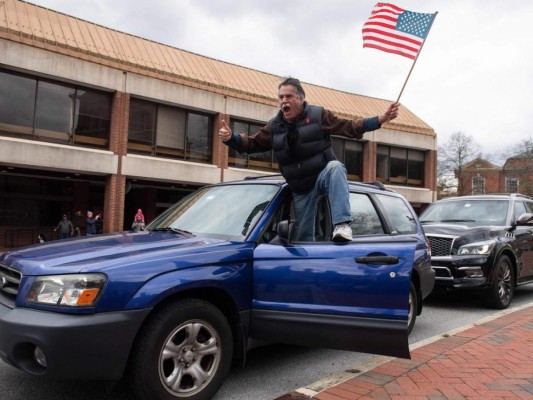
(219,299)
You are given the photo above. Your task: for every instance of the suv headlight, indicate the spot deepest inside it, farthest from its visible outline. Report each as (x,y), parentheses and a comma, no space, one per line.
(478,248)
(80,290)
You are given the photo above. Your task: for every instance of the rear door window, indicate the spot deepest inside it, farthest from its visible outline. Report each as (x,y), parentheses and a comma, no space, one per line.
(400,214)
(365,219)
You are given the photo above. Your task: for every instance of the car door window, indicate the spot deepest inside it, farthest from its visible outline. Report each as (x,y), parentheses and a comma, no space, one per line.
(401,216)
(519,209)
(365,219)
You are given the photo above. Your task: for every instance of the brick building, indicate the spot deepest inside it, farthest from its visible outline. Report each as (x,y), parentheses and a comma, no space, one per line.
(480,176)
(93,118)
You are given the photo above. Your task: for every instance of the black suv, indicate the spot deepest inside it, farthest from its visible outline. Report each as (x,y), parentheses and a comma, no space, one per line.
(483,242)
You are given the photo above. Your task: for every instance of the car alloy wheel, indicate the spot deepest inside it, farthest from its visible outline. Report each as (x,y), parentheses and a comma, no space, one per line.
(501,292)
(184,352)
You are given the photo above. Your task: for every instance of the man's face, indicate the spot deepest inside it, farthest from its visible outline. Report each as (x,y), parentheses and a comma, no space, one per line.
(290,103)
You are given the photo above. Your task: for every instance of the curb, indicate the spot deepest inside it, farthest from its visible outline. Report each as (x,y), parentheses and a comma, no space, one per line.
(313,389)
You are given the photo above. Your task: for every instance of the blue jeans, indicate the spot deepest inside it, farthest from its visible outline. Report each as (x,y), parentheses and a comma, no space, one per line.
(333,182)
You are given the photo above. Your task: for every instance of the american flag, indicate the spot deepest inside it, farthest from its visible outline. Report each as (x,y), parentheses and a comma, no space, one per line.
(395,30)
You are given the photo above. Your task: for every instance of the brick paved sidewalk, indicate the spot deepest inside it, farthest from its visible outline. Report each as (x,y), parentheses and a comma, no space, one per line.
(492,360)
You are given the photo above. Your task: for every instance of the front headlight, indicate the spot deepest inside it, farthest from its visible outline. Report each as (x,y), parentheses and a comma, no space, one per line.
(479,248)
(80,290)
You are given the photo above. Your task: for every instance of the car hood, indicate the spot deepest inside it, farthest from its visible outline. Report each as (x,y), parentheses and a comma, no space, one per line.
(472,233)
(105,252)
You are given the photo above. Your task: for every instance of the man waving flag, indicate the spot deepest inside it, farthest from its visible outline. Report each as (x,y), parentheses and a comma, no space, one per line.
(395,30)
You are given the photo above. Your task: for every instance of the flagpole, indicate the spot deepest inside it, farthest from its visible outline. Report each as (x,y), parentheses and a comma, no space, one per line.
(416,58)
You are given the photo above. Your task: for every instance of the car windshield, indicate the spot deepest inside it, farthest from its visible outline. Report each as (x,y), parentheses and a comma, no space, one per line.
(467,212)
(226,212)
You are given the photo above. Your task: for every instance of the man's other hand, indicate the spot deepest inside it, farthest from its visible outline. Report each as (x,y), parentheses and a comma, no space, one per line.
(224,132)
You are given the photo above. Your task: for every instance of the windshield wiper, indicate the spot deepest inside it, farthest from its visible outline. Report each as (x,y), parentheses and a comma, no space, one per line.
(458,220)
(428,221)
(175,230)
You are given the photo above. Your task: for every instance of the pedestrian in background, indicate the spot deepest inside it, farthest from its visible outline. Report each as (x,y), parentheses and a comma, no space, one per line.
(138,221)
(65,228)
(90,223)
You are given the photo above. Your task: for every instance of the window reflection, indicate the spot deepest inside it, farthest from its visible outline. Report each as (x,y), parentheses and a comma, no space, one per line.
(166,131)
(350,153)
(400,166)
(53,112)
(263,161)
(17,103)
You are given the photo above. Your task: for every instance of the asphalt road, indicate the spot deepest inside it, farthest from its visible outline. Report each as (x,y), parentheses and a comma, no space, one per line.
(273,370)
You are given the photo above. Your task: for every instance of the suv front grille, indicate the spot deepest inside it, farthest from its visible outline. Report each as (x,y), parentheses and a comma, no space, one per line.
(9,282)
(440,246)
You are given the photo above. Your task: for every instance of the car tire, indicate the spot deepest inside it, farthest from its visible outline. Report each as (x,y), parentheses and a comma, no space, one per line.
(500,293)
(184,351)
(413,307)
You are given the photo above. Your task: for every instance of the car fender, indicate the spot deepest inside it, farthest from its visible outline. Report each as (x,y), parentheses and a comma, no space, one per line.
(230,279)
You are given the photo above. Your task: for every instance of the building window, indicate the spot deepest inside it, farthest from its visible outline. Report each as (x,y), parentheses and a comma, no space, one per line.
(511,185)
(53,112)
(165,131)
(400,166)
(263,161)
(478,185)
(350,153)
(17,104)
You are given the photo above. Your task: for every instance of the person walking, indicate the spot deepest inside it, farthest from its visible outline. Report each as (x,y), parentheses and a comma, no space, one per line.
(65,227)
(299,135)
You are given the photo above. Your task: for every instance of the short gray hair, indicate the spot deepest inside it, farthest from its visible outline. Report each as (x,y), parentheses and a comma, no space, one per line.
(295,83)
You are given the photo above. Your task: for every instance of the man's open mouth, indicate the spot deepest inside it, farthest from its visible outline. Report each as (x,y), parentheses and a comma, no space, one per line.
(285,107)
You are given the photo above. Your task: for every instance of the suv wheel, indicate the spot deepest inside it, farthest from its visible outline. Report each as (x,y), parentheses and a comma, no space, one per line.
(501,292)
(413,306)
(183,352)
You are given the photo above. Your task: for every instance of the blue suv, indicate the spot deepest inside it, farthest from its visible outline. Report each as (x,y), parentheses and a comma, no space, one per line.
(171,307)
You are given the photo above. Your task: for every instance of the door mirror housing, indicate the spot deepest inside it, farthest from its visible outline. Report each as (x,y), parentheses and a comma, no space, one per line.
(525,219)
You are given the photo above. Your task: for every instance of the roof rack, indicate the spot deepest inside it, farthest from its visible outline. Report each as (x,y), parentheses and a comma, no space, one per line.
(262,176)
(377,184)
(509,194)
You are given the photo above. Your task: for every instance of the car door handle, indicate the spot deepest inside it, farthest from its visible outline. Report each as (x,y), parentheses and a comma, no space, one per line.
(389,260)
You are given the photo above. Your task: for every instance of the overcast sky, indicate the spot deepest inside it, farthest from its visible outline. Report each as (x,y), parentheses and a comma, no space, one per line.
(474,74)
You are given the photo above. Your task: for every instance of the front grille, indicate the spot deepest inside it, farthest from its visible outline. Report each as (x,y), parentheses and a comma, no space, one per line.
(9,282)
(440,246)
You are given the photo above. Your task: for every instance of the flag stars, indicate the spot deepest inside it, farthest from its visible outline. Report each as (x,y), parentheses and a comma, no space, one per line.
(414,23)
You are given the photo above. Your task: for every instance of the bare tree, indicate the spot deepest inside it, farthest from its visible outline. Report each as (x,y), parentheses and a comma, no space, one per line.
(451,159)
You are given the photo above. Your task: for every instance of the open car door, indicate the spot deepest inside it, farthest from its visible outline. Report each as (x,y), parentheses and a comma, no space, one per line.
(349,296)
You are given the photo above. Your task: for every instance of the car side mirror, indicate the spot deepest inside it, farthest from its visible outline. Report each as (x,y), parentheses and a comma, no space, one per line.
(525,219)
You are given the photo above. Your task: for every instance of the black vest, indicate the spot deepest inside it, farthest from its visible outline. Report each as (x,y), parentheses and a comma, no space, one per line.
(301,163)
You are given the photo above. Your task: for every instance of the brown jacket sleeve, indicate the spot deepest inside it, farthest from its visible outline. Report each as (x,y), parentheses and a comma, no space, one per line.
(255,143)
(351,128)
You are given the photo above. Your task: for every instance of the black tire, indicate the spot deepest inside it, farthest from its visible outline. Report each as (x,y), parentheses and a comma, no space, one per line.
(184,351)
(413,308)
(501,292)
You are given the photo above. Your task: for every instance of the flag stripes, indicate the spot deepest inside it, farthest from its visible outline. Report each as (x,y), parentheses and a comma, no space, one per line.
(395,30)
